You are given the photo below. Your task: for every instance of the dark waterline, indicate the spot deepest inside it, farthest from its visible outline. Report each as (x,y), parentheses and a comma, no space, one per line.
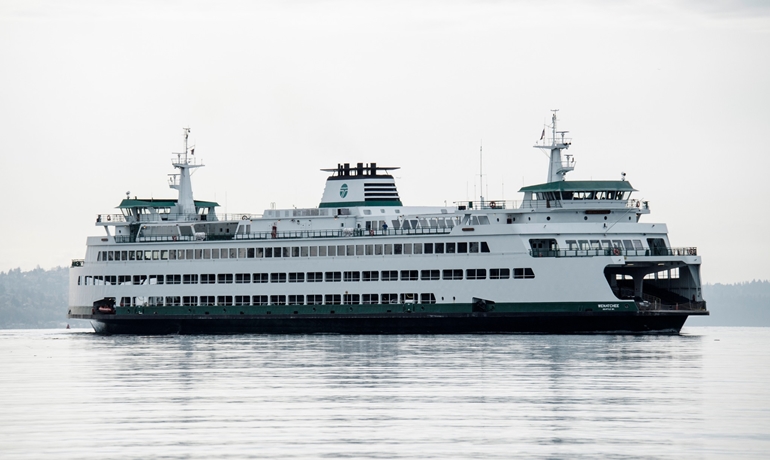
(73,394)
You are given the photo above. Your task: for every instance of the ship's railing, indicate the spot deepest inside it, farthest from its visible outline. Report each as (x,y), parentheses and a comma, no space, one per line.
(654,252)
(686,306)
(78,262)
(547,204)
(300,234)
(110,218)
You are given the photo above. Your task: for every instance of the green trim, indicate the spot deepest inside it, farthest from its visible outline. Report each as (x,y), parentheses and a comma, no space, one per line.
(581,186)
(361,309)
(159,203)
(353,204)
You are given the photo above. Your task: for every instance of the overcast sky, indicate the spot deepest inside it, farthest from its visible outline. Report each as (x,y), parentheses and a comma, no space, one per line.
(93,96)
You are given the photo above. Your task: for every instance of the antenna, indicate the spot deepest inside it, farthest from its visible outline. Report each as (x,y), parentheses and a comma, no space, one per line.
(481,171)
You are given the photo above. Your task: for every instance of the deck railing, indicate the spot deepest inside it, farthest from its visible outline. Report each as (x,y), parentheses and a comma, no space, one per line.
(686,251)
(341,233)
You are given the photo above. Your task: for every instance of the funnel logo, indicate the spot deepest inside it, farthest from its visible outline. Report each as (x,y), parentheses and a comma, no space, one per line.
(344,190)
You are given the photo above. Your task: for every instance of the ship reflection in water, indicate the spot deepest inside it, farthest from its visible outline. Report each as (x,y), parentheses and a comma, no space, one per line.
(72,394)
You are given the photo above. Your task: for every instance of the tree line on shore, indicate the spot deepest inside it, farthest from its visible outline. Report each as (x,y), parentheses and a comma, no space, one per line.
(38,299)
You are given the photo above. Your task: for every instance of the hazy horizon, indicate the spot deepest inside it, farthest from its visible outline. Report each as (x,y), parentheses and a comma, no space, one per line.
(94,96)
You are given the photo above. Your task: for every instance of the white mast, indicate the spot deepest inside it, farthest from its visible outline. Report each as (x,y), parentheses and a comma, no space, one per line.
(558,169)
(185,203)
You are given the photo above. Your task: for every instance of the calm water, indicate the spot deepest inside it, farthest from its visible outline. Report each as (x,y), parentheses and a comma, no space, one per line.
(72,394)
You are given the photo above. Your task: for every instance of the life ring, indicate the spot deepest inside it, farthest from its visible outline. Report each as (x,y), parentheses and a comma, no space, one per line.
(492,204)
(109,218)
(244,217)
(615,251)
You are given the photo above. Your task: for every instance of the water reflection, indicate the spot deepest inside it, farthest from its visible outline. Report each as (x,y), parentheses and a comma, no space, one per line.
(476,396)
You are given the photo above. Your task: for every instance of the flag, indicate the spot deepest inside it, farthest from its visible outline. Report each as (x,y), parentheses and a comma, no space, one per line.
(542,135)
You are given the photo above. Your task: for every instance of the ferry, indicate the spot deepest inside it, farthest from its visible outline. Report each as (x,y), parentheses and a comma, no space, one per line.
(570,257)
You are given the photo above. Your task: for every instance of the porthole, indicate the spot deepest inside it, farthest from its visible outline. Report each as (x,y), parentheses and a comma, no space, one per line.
(548,218)
(629,217)
(529,218)
(585,217)
(605,217)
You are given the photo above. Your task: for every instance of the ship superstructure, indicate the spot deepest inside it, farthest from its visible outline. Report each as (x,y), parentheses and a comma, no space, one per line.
(572,256)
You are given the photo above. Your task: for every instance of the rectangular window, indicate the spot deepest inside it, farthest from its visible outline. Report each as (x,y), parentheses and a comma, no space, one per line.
(429,275)
(277,300)
(259,278)
(462,248)
(359,249)
(409,297)
(313,251)
(314,277)
(225,278)
(484,247)
(409,275)
(397,249)
(295,251)
(332,299)
(407,249)
(476,274)
(296,300)
(259,300)
(225,300)
(241,300)
(331,251)
(390,275)
(173,301)
(333,277)
(164,254)
(241,253)
(208,278)
(172,254)
(287,252)
(418,248)
(450,248)
(242,278)
(428,248)
(427,298)
(278,278)
(314,299)
(322,251)
(190,301)
(124,279)
(388,249)
(215,253)
(268,252)
(140,279)
(439,248)
(377,249)
(341,251)
(191,254)
(250,253)
(370,276)
(456,274)
(351,299)
(473,247)
(389,298)
(351,250)
(156,279)
(352,276)
(370,299)
(369,250)
(499,273)
(173,279)
(304,251)
(297,277)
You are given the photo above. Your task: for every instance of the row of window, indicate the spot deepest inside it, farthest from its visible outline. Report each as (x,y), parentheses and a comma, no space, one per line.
(309,277)
(473,247)
(585,245)
(310,299)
